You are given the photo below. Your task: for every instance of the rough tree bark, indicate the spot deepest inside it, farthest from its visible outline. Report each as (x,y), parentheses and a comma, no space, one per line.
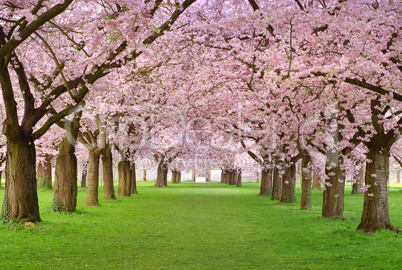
(124,178)
(107,168)
(21,199)
(231,178)
(289,184)
(305,202)
(133,179)
(333,195)
(276,185)
(266,182)
(45,172)
(375,209)
(161,177)
(93,177)
(316,181)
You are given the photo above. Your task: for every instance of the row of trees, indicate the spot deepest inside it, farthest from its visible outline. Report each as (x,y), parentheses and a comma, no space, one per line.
(313,81)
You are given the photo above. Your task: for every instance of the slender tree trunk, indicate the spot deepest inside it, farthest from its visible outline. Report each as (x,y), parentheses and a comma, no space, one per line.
(21,198)
(238,183)
(276,185)
(306,182)
(124,178)
(266,182)
(93,177)
(1,173)
(107,168)
(375,209)
(65,184)
(145,176)
(161,177)
(45,172)
(41,176)
(398,177)
(354,188)
(316,181)
(289,184)
(84,173)
(178,177)
(133,179)
(333,195)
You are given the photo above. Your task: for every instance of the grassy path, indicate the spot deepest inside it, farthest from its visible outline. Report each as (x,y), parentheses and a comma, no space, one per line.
(199,226)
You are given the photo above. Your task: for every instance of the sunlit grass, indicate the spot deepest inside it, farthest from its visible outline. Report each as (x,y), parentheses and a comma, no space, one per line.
(200,226)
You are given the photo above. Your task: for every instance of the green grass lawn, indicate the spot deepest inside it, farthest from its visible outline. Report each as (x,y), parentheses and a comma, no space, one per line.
(200,226)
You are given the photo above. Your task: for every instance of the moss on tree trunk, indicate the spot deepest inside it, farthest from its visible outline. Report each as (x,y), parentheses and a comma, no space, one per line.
(21,199)
(65,184)
(45,172)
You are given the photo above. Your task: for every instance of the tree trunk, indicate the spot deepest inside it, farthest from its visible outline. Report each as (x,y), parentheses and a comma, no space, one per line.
(306,182)
(107,166)
(124,178)
(1,173)
(93,177)
(238,183)
(316,181)
(174,176)
(354,188)
(65,184)
(223,176)
(21,198)
(289,184)
(45,173)
(161,177)
(375,209)
(266,182)
(84,174)
(231,178)
(178,177)
(133,179)
(333,195)
(145,176)
(398,177)
(276,185)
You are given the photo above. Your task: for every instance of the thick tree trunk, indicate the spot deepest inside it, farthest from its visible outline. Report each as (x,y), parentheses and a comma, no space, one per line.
(93,177)
(178,177)
(289,184)
(375,209)
(65,184)
(333,195)
(124,178)
(276,185)
(231,176)
(174,177)
(316,182)
(21,198)
(238,182)
(223,176)
(133,179)
(107,168)
(161,176)
(305,202)
(84,173)
(266,182)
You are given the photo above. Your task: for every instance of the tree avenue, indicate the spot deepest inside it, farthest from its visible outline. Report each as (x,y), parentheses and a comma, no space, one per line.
(288,84)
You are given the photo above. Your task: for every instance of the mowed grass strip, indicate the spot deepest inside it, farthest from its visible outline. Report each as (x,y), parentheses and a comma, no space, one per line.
(200,226)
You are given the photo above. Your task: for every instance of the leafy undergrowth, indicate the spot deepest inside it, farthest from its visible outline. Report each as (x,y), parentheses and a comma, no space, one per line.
(199,226)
